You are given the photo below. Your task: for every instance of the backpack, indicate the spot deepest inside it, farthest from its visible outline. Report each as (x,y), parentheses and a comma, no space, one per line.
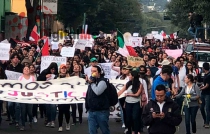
(112,91)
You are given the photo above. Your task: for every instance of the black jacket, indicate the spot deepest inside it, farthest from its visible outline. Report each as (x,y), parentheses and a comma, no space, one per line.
(94,102)
(167,124)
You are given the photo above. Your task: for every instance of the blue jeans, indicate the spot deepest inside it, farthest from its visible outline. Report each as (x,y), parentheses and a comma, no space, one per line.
(205,108)
(191,31)
(51,112)
(26,109)
(190,116)
(133,113)
(1,102)
(14,110)
(98,119)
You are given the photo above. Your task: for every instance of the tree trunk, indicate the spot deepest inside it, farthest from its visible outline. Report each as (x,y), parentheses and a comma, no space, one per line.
(31,14)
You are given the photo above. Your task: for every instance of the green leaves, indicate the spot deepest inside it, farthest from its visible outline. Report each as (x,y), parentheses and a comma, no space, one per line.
(103,15)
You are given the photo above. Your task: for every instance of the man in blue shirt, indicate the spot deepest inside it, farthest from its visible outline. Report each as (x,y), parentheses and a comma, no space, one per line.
(162,79)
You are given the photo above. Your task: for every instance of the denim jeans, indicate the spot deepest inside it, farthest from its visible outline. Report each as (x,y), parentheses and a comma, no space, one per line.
(133,113)
(26,109)
(51,112)
(1,103)
(14,110)
(205,108)
(191,31)
(190,116)
(98,119)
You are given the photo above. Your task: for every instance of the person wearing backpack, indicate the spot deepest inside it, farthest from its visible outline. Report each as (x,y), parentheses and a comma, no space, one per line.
(97,101)
(133,90)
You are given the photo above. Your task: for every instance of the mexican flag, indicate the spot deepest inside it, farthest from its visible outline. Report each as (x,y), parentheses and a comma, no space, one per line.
(163,33)
(123,48)
(174,35)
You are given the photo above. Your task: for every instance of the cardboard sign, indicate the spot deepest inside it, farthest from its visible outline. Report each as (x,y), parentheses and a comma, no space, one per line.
(135,61)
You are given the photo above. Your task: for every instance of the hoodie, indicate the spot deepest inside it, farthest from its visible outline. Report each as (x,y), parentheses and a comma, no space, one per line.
(156,82)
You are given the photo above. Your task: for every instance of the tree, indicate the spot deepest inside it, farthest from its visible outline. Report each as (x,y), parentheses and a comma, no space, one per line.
(103,15)
(31,8)
(178,11)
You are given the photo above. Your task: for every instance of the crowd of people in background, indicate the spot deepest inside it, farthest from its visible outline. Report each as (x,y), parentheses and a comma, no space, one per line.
(157,93)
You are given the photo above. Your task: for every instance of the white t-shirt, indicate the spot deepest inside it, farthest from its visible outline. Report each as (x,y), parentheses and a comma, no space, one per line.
(31,79)
(144,84)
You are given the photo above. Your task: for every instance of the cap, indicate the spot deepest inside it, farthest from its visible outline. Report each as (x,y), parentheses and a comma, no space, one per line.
(128,67)
(62,65)
(26,60)
(165,62)
(136,69)
(93,59)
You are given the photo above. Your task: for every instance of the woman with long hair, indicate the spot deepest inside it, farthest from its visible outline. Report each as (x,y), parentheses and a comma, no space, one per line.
(190,69)
(77,72)
(191,93)
(63,108)
(133,90)
(26,109)
(48,74)
(35,106)
(2,76)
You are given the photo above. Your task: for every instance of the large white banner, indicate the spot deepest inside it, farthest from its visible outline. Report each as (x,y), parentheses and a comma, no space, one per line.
(59,91)
(4,51)
(50,6)
(47,60)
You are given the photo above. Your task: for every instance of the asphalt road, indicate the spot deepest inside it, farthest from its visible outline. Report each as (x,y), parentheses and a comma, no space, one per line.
(115,127)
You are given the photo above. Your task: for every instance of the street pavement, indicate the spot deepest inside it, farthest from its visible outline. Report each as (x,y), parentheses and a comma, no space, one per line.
(115,127)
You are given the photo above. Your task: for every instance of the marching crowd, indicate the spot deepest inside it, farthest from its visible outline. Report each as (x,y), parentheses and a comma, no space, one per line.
(156,93)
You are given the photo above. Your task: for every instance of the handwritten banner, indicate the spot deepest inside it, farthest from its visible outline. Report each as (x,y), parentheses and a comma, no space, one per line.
(59,91)
(47,60)
(4,51)
(67,51)
(81,43)
(11,75)
(135,61)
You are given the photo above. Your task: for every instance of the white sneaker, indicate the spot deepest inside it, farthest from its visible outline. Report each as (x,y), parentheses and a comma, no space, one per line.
(35,120)
(123,126)
(48,124)
(126,130)
(52,124)
(60,129)
(68,127)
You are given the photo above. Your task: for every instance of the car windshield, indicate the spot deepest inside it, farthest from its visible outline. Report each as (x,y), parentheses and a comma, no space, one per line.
(203,56)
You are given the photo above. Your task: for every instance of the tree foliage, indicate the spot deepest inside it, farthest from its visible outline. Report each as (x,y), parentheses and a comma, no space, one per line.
(103,15)
(178,11)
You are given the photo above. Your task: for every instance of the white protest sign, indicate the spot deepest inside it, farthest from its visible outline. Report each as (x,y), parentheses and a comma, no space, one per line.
(135,34)
(107,68)
(54,45)
(90,43)
(159,37)
(67,51)
(136,41)
(4,51)
(149,36)
(154,32)
(47,60)
(4,41)
(11,75)
(80,44)
(50,6)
